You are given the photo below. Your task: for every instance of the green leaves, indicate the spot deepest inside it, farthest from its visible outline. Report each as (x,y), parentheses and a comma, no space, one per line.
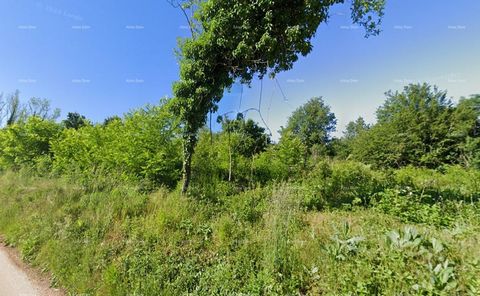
(241,39)
(420,127)
(368,13)
(312,123)
(26,142)
(413,245)
(142,146)
(409,238)
(344,244)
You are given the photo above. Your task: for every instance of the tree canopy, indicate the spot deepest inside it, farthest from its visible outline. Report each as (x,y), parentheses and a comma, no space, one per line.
(75,120)
(355,128)
(236,40)
(13,110)
(421,126)
(313,123)
(252,138)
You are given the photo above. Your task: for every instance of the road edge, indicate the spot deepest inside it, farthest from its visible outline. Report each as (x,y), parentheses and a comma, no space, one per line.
(40,280)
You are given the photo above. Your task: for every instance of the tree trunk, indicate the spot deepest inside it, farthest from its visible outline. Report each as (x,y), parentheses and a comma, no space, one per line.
(230,166)
(188,148)
(230,159)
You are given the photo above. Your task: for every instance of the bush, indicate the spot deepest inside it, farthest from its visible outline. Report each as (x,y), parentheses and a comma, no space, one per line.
(281,162)
(230,156)
(447,183)
(145,147)
(27,143)
(338,183)
(415,207)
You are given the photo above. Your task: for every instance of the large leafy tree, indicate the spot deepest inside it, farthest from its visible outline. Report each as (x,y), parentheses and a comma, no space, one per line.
(466,130)
(238,39)
(313,123)
(413,128)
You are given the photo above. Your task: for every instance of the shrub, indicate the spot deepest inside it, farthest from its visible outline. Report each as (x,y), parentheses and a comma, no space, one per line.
(414,206)
(143,147)
(27,143)
(333,184)
(447,183)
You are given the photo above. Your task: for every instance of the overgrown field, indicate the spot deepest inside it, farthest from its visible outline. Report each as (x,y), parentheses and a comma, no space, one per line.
(388,209)
(344,229)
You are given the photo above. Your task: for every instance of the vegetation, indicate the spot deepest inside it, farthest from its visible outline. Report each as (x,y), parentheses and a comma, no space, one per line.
(313,124)
(114,240)
(421,127)
(389,209)
(12,110)
(237,40)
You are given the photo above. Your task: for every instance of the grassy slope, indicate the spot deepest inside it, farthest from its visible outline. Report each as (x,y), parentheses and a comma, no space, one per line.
(115,241)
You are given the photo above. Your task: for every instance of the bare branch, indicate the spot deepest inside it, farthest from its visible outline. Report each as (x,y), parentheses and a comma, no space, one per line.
(177,4)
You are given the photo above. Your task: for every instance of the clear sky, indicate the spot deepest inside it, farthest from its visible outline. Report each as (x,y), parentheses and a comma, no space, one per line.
(105,57)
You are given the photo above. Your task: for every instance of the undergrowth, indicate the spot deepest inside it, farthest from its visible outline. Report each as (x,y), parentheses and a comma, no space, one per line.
(119,240)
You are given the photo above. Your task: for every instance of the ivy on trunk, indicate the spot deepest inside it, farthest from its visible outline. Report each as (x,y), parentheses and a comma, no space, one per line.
(241,39)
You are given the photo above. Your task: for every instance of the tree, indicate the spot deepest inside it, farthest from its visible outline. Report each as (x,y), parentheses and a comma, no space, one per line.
(355,128)
(252,137)
(236,40)
(244,140)
(75,120)
(112,119)
(3,104)
(41,108)
(343,147)
(142,146)
(290,151)
(313,123)
(282,161)
(466,130)
(413,128)
(382,146)
(12,109)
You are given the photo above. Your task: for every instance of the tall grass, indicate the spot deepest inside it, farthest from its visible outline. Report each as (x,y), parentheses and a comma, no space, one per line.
(112,239)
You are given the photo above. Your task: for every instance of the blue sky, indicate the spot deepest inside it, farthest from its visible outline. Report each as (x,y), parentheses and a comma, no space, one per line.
(102,58)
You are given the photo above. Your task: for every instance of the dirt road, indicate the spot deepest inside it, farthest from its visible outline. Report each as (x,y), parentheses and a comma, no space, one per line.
(16,279)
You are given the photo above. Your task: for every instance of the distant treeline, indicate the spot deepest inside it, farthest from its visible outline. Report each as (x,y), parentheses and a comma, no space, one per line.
(418,127)
(388,209)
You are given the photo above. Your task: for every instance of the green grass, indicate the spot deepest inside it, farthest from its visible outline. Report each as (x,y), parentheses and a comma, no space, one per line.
(114,240)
